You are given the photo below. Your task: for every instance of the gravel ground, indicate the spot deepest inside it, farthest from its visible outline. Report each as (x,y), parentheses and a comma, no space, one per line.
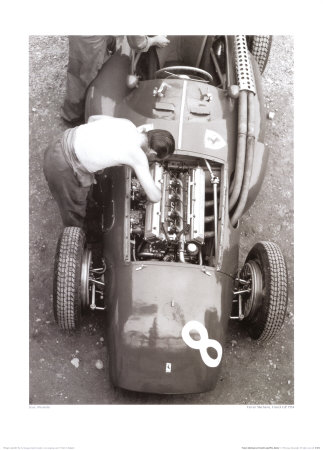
(72,369)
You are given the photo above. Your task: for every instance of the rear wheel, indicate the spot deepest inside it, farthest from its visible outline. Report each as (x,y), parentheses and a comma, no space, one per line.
(71,256)
(264,307)
(260,47)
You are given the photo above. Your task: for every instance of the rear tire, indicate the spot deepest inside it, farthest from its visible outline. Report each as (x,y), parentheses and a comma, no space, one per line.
(67,278)
(260,47)
(265,307)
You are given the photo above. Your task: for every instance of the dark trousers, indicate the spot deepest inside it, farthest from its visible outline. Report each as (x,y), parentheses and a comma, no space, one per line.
(86,57)
(69,194)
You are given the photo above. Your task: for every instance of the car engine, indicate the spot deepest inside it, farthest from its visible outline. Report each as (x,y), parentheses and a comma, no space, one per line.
(179,227)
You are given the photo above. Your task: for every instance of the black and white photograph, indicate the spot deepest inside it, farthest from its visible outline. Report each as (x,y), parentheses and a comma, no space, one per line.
(163,278)
(160,263)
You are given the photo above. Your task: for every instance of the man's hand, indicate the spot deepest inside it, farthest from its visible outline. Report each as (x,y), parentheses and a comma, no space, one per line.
(154,196)
(160,41)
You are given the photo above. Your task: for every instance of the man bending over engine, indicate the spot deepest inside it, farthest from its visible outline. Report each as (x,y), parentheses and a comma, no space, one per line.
(71,160)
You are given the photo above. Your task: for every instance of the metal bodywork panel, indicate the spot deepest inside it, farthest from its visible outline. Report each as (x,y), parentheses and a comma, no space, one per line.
(150,302)
(212,135)
(149,313)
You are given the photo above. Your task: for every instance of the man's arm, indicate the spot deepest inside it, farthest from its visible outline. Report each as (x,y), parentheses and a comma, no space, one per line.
(143,43)
(159,40)
(143,174)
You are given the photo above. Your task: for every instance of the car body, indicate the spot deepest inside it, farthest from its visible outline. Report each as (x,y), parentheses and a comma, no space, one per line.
(171,279)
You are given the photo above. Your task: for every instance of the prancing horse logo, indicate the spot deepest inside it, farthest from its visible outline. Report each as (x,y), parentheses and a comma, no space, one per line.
(213,140)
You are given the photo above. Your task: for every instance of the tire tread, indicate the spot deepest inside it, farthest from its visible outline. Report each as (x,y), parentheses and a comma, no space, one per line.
(260,48)
(67,278)
(273,313)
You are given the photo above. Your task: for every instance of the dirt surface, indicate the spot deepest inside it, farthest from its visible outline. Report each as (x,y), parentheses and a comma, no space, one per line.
(72,368)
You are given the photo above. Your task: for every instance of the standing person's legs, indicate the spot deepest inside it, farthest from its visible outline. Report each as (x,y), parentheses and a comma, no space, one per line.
(111,83)
(87,55)
(70,196)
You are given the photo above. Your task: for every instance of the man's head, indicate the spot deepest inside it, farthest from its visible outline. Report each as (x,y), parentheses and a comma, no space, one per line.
(161,144)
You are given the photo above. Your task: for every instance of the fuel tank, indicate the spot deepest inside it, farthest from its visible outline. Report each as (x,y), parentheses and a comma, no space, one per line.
(167,327)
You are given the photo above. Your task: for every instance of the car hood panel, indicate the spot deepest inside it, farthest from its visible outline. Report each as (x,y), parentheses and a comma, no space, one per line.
(150,354)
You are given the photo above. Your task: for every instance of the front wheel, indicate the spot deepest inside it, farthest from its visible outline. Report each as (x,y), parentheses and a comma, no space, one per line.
(71,255)
(264,307)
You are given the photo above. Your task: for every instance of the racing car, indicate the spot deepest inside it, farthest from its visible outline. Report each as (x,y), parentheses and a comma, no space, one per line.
(167,273)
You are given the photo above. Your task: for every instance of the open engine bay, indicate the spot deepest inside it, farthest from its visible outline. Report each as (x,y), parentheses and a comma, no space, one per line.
(181,227)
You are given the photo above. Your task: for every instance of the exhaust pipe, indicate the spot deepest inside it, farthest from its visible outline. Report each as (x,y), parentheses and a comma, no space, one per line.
(241,149)
(249,161)
(246,130)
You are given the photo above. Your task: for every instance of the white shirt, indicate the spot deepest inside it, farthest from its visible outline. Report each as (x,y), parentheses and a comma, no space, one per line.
(108,141)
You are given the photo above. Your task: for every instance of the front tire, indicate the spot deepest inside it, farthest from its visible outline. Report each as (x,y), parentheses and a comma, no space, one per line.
(67,293)
(264,308)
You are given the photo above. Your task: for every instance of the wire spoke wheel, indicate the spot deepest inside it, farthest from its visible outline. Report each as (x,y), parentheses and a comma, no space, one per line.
(86,265)
(252,273)
(264,308)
